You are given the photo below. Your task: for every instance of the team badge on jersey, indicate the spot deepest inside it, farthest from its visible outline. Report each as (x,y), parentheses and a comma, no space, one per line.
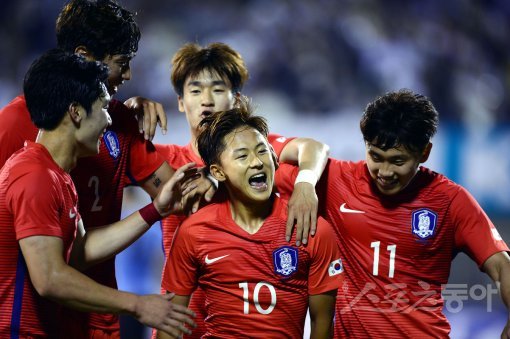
(112,144)
(285,260)
(424,223)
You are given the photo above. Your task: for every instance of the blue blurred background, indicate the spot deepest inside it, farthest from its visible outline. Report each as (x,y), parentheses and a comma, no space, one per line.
(314,65)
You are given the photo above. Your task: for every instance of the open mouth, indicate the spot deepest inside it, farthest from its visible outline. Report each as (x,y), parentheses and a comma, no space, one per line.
(206,114)
(258,181)
(387,183)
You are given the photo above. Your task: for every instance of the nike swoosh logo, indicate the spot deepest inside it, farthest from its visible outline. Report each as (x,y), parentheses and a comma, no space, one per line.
(71,214)
(213,260)
(344,209)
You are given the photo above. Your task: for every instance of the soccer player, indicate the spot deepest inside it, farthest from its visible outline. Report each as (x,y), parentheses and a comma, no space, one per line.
(210,79)
(41,229)
(400,225)
(235,249)
(104,31)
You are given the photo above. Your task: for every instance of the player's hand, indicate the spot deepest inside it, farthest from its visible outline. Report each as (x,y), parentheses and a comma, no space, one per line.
(302,210)
(149,114)
(506,331)
(183,182)
(205,189)
(157,311)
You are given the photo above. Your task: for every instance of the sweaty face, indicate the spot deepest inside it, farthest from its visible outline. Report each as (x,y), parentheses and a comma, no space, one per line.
(93,125)
(120,70)
(204,94)
(392,170)
(247,166)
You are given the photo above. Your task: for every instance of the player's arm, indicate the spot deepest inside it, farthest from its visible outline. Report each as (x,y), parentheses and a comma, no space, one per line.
(311,156)
(498,268)
(149,114)
(182,300)
(102,243)
(322,311)
(204,191)
(55,280)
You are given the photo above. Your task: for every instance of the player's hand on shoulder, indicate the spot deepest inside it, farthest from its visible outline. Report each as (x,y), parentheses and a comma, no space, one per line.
(149,114)
(302,212)
(204,192)
(157,311)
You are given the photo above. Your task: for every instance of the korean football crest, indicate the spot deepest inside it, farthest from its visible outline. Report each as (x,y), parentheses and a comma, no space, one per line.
(112,144)
(285,260)
(424,223)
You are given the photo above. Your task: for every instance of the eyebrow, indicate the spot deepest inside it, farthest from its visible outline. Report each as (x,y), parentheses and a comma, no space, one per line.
(214,83)
(245,148)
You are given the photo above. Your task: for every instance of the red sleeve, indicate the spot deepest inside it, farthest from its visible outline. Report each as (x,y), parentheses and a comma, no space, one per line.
(180,274)
(167,152)
(326,269)
(278,142)
(34,199)
(16,127)
(285,177)
(475,234)
(144,159)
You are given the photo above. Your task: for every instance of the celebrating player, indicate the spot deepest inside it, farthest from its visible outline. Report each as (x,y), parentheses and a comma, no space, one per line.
(42,231)
(210,79)
(255,284)
(400,226)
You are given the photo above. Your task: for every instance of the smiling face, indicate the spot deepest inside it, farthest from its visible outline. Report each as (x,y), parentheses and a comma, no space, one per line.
(392,170)
(246,166)
(119,71)
(93,125)
(204,94)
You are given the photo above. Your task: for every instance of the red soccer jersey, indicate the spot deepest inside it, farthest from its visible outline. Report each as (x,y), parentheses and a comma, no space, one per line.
(37,198)
(397,250)
(124,158)
(178,156)
(15,128)
(256,285)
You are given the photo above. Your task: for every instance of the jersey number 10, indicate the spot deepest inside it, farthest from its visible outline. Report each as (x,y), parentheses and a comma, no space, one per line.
(256,291)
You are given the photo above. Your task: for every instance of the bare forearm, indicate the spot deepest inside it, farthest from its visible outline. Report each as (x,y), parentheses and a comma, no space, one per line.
(307,153)
(102,243)
(322,310)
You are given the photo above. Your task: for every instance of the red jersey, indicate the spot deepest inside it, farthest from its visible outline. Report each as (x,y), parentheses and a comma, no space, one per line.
(255,281)
(37,198)
(397,249)
(15,127)
(124,158)
(178,156)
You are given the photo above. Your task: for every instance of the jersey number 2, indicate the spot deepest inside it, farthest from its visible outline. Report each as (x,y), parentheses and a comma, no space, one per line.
(94,180)
(393,251)
(256,291)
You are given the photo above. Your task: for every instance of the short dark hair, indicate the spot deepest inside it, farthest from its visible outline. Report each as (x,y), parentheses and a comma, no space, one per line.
(102,26)
(215,127)
(56,80)
(191,59)
(401,118)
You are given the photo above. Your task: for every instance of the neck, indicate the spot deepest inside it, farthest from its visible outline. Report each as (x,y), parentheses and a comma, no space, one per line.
(250,216)
(61,150)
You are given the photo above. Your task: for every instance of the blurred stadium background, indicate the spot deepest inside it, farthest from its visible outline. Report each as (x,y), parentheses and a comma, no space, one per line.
(314,65)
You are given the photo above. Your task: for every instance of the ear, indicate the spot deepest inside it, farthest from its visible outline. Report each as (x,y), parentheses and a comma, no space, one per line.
(82,50)
(275,157)
(181,103)
(217,172)
(426,153)
(75,113)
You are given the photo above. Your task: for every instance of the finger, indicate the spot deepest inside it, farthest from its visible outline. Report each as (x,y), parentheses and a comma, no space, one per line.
(306,227)
(299,229)
(290,225)
(313,221)
(195,207)
(169,295)
(209,194)
(161,117)
(154,120)
(189,188)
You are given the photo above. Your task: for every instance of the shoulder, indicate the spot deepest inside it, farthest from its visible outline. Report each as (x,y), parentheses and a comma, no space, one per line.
(122,117)
(168,150)
(205,215)
(16,114)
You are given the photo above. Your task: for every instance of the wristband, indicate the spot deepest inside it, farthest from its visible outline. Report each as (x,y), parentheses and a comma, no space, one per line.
(150,214)
(306,175)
